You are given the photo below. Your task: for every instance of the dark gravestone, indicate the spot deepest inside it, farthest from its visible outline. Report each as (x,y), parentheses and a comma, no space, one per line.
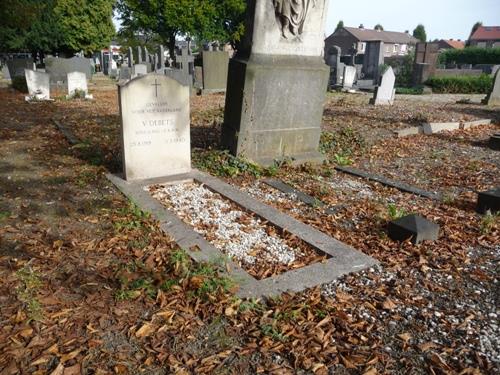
(495,142)
(215,67)
(426,57)
(413,227)
(16,67)
(58,68)
(489,201)
(374,58)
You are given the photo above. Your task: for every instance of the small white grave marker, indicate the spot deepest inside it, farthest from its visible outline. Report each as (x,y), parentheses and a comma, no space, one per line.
(77,83)
(38,85)
(385,93)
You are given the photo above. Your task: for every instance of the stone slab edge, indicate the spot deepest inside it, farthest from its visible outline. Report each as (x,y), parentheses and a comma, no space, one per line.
(471,124)
(413,130)
(395,184)
(437,127)
(303,197)
(344,259)
(70,137)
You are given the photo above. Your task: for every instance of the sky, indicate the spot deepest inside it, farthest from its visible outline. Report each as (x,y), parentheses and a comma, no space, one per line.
(443,19)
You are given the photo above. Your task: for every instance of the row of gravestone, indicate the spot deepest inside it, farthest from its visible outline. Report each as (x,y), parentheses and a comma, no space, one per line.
(57,68)
(384,93)
(209,78)
(38,84)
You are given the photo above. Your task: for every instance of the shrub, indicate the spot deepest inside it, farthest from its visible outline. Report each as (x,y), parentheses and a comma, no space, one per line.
(471,55)
(417,90)
(403,69)
(19,83)
(461,85)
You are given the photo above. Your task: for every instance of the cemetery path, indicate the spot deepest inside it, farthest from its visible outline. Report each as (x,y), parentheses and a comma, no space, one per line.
(89,284)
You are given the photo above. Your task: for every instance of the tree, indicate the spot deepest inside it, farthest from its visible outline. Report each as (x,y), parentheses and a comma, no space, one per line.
(55,25)
(476,26)
(220,20)
(340,25)
(420,33)
(85,24)
(379,27)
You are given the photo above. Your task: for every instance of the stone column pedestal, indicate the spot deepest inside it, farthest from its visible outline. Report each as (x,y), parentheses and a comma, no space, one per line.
(274,108)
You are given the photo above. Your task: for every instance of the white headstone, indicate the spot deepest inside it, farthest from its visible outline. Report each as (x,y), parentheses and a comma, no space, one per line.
(154,110)
(38,84)
(384,94)
(77,81)
(349,76)
(139,69)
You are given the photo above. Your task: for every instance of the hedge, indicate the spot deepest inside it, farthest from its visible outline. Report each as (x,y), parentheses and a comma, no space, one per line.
(461,85)
(471,55)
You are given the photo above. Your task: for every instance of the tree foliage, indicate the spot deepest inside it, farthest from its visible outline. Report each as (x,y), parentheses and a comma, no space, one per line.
(379,27)
(420,33)
(55,25)
(208,20)
(85,24)
(340,25)
(476,26)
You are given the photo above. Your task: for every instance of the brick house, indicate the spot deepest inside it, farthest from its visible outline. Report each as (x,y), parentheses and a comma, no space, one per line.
(451,44)
(395,43)
(486,37)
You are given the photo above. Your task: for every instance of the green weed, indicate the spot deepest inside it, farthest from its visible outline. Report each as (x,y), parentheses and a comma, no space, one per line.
(272,332)
(4,215)
(489,222)
(28,290)
(395,212)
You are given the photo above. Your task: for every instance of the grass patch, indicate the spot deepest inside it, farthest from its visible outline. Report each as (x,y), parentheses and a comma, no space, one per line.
(4,215)
(223,164)
(342,145)
(27,292)
(489,222)
(134,218)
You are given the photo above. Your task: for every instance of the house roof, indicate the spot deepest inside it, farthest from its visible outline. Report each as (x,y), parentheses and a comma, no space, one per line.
(367,35)
(486,33)
(456,44)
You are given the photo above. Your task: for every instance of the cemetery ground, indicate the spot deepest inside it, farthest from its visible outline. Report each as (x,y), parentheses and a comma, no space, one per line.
(90,284)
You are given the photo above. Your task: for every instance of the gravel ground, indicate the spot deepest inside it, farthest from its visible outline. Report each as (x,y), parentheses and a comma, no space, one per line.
(238,234)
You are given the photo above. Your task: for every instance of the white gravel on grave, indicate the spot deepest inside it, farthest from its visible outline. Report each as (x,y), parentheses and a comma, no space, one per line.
(361,189)
(269,195)
(236,233)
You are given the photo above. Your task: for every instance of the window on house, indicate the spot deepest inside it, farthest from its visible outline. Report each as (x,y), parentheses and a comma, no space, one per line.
(396,47)
(362,46)
(404,48)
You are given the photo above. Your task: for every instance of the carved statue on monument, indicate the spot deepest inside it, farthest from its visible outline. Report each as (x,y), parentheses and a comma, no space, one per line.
(291,15)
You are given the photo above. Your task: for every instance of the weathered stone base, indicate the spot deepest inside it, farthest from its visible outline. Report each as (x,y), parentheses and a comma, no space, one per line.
(274,107)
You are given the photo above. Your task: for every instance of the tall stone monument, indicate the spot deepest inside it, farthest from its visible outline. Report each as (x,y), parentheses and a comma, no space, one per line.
(374,58)
(277,83)
(493,97)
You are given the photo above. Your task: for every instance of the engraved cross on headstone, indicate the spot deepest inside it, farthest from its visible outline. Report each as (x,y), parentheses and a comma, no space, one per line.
(156,84)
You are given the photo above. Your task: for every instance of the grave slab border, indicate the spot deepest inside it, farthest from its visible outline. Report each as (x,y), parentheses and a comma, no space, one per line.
(385,181)
(303,197)
(343,258)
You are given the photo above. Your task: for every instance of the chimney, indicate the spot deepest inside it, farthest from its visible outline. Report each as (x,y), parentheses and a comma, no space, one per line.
(361,26)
